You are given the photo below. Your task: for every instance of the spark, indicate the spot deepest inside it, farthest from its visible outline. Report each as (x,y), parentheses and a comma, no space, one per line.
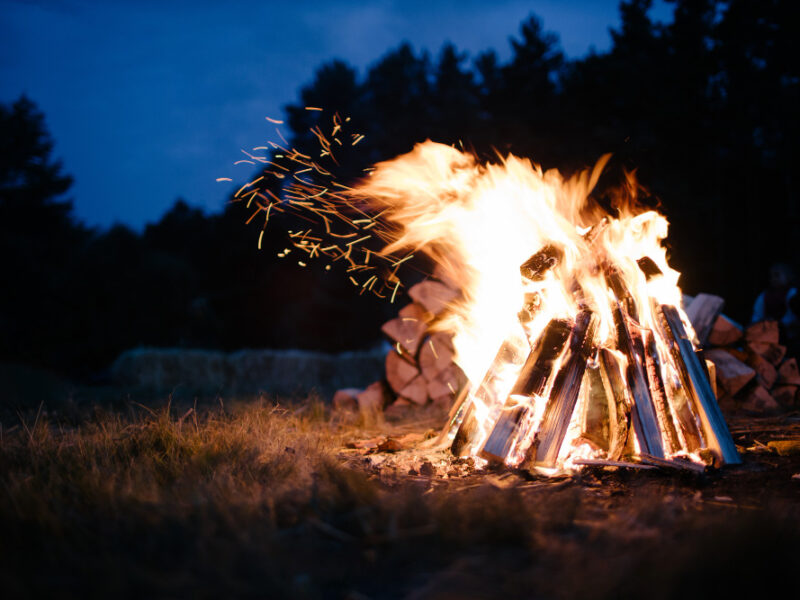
(276,121)
(224,179)
(313,108)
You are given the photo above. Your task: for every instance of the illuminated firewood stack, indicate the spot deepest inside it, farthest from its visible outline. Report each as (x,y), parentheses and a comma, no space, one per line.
(420,367)
(753,372)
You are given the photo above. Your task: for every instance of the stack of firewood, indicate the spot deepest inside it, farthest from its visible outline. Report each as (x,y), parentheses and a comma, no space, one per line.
(753,372)
(419,368)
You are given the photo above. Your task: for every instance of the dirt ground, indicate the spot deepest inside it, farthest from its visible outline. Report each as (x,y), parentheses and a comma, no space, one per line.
(253,500)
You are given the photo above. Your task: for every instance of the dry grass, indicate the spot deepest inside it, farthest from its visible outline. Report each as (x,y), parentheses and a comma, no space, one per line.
(254,501)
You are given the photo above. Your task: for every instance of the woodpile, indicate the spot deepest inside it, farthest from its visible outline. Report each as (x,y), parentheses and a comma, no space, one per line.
(752,370)
(419,369)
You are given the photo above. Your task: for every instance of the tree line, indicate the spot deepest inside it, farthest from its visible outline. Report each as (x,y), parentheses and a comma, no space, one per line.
(704,108)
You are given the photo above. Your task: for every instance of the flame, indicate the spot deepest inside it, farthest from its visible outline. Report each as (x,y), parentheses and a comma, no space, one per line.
(479,222)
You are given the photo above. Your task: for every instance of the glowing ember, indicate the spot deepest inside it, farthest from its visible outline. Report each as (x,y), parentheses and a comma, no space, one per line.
(569,326)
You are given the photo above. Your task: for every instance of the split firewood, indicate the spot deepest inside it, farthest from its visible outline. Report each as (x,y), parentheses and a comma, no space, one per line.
(416,391)
(732,373)
(346,400)
(406,331)
(412,310)
(774,353)
(725,332)
(399,371)
(767,373)
(435,355)
(785,395)
(760,401)
(789,373)
(712,376)
(703,313)
(447,382)
(763,332)
(433,296)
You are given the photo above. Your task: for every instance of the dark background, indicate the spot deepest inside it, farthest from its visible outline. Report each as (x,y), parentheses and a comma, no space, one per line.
(704,108)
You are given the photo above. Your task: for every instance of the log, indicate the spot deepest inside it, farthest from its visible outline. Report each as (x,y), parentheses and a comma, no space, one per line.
(566,387)
(659,394)
(767,374)
(619,415)
(596,425)
(774,353)
(415,391)
(725,332)
(732,373)
(703,313)
(764,331)
(759,401)
(435,355)
(687,421)
(645,419)
(406,331)
(711,369)
(464,422)
(540,263)
(789,373)
(433,296)
(531,381)
(399,371)
(785,395)
(412,310)
(696,383)
(447,383)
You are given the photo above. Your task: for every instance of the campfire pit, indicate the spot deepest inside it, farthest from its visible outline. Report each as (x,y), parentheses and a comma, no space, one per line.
(581,352)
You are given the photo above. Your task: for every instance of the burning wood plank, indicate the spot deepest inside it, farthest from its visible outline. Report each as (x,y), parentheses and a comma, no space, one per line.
(696,383)
(566,387)
(531,382)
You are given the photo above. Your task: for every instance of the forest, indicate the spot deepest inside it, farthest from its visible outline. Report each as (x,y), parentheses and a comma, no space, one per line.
(702,108)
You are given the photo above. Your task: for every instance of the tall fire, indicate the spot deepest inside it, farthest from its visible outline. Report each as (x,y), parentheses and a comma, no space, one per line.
(569,326)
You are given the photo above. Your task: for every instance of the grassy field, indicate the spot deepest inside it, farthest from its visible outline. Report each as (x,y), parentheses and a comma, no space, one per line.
(250,499)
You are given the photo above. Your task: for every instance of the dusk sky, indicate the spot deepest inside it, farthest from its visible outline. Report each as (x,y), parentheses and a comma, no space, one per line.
(148,101)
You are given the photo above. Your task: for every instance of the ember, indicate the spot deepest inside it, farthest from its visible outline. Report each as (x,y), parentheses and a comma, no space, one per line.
(569,324)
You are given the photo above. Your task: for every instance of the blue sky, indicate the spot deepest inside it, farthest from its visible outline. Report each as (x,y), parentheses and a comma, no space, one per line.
(149,100)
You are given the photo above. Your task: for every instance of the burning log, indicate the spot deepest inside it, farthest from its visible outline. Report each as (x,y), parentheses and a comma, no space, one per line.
(696,383)
(659,395)
(464,422)
(619,415)
(645,419)
(564,394)
(531,382)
